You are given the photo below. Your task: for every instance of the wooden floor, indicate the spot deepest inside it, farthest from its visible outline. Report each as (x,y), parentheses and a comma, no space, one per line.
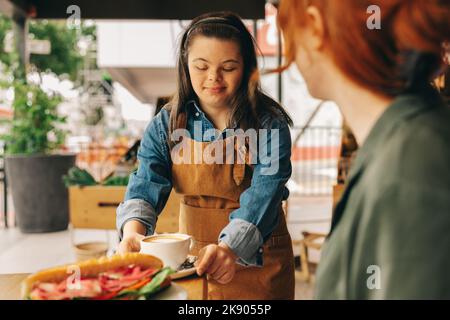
(25,253)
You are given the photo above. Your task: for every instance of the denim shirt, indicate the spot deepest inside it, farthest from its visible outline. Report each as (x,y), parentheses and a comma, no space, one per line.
(251,224)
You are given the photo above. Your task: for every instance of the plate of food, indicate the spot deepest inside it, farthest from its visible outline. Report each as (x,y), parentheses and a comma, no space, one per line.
(131,276)
(186,269)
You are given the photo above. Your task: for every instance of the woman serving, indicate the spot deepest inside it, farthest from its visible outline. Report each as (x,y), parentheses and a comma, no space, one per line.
(202,144)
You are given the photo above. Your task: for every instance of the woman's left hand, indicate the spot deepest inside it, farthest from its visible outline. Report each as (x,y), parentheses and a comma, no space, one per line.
(218,261)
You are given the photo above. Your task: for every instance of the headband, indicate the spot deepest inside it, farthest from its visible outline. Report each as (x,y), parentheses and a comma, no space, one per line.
(211,20)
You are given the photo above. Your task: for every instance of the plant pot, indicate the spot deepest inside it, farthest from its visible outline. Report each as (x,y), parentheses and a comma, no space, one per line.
(39,195)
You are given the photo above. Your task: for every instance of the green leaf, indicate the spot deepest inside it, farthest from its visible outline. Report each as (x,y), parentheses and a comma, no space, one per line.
(153,286)
(35,111)
(35,115)
(116,181)
(78,177)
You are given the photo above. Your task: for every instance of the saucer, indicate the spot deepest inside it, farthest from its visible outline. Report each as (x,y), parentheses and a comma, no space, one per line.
(186,269)
(183,273)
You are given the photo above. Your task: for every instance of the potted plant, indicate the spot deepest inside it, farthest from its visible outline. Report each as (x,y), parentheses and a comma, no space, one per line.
(34,164)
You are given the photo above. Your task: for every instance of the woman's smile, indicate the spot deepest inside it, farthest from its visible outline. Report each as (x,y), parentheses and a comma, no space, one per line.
(216,90)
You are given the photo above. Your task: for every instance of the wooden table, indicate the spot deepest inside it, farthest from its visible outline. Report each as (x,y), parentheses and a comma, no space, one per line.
(10,286)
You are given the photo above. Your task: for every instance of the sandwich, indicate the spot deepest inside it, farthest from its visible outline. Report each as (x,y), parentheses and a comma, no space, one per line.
(131,276)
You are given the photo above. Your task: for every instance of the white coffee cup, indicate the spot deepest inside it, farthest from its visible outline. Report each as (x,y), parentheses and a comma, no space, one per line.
(171,248)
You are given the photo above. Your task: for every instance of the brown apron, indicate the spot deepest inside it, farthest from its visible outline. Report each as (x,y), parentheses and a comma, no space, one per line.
(210,192)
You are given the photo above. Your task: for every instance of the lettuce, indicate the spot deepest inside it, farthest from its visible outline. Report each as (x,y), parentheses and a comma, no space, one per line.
(151,288)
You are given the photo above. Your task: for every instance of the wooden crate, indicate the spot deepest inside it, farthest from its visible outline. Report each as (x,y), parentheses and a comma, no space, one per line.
(95,208)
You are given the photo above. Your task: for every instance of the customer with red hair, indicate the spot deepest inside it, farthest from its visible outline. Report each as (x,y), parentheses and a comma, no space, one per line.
(390,234)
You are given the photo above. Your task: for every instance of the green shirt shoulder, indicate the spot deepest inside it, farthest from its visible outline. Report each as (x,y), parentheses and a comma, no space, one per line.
(391,237)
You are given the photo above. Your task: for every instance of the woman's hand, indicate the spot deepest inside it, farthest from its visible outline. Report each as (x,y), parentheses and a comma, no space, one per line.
(218,261)
(130,243)
(133,233)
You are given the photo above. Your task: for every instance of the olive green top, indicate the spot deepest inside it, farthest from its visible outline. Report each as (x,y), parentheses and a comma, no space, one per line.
(390,234)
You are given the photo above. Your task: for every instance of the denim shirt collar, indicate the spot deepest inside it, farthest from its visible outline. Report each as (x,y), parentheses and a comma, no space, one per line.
(197,113)
(196,108)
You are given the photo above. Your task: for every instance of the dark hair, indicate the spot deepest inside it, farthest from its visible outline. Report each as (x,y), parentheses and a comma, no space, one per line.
(250,102)
(403,56)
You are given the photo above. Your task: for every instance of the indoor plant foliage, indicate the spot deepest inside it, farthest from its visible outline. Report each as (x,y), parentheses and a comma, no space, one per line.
(34,128)
(33,164)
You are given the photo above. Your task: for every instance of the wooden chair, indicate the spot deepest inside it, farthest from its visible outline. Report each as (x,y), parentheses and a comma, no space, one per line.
(309,241)
(314,240)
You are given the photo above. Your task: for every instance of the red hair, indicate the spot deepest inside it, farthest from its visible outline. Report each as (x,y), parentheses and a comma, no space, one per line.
(408,47)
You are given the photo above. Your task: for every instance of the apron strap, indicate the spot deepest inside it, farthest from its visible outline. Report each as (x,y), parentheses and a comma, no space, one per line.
(243,159)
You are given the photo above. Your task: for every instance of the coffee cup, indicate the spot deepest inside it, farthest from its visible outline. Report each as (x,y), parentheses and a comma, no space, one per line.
(171,248)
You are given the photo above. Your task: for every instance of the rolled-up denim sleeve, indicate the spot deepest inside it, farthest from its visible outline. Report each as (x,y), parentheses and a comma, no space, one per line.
(136,209)
(253,223)
(150,185)
(245,240)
